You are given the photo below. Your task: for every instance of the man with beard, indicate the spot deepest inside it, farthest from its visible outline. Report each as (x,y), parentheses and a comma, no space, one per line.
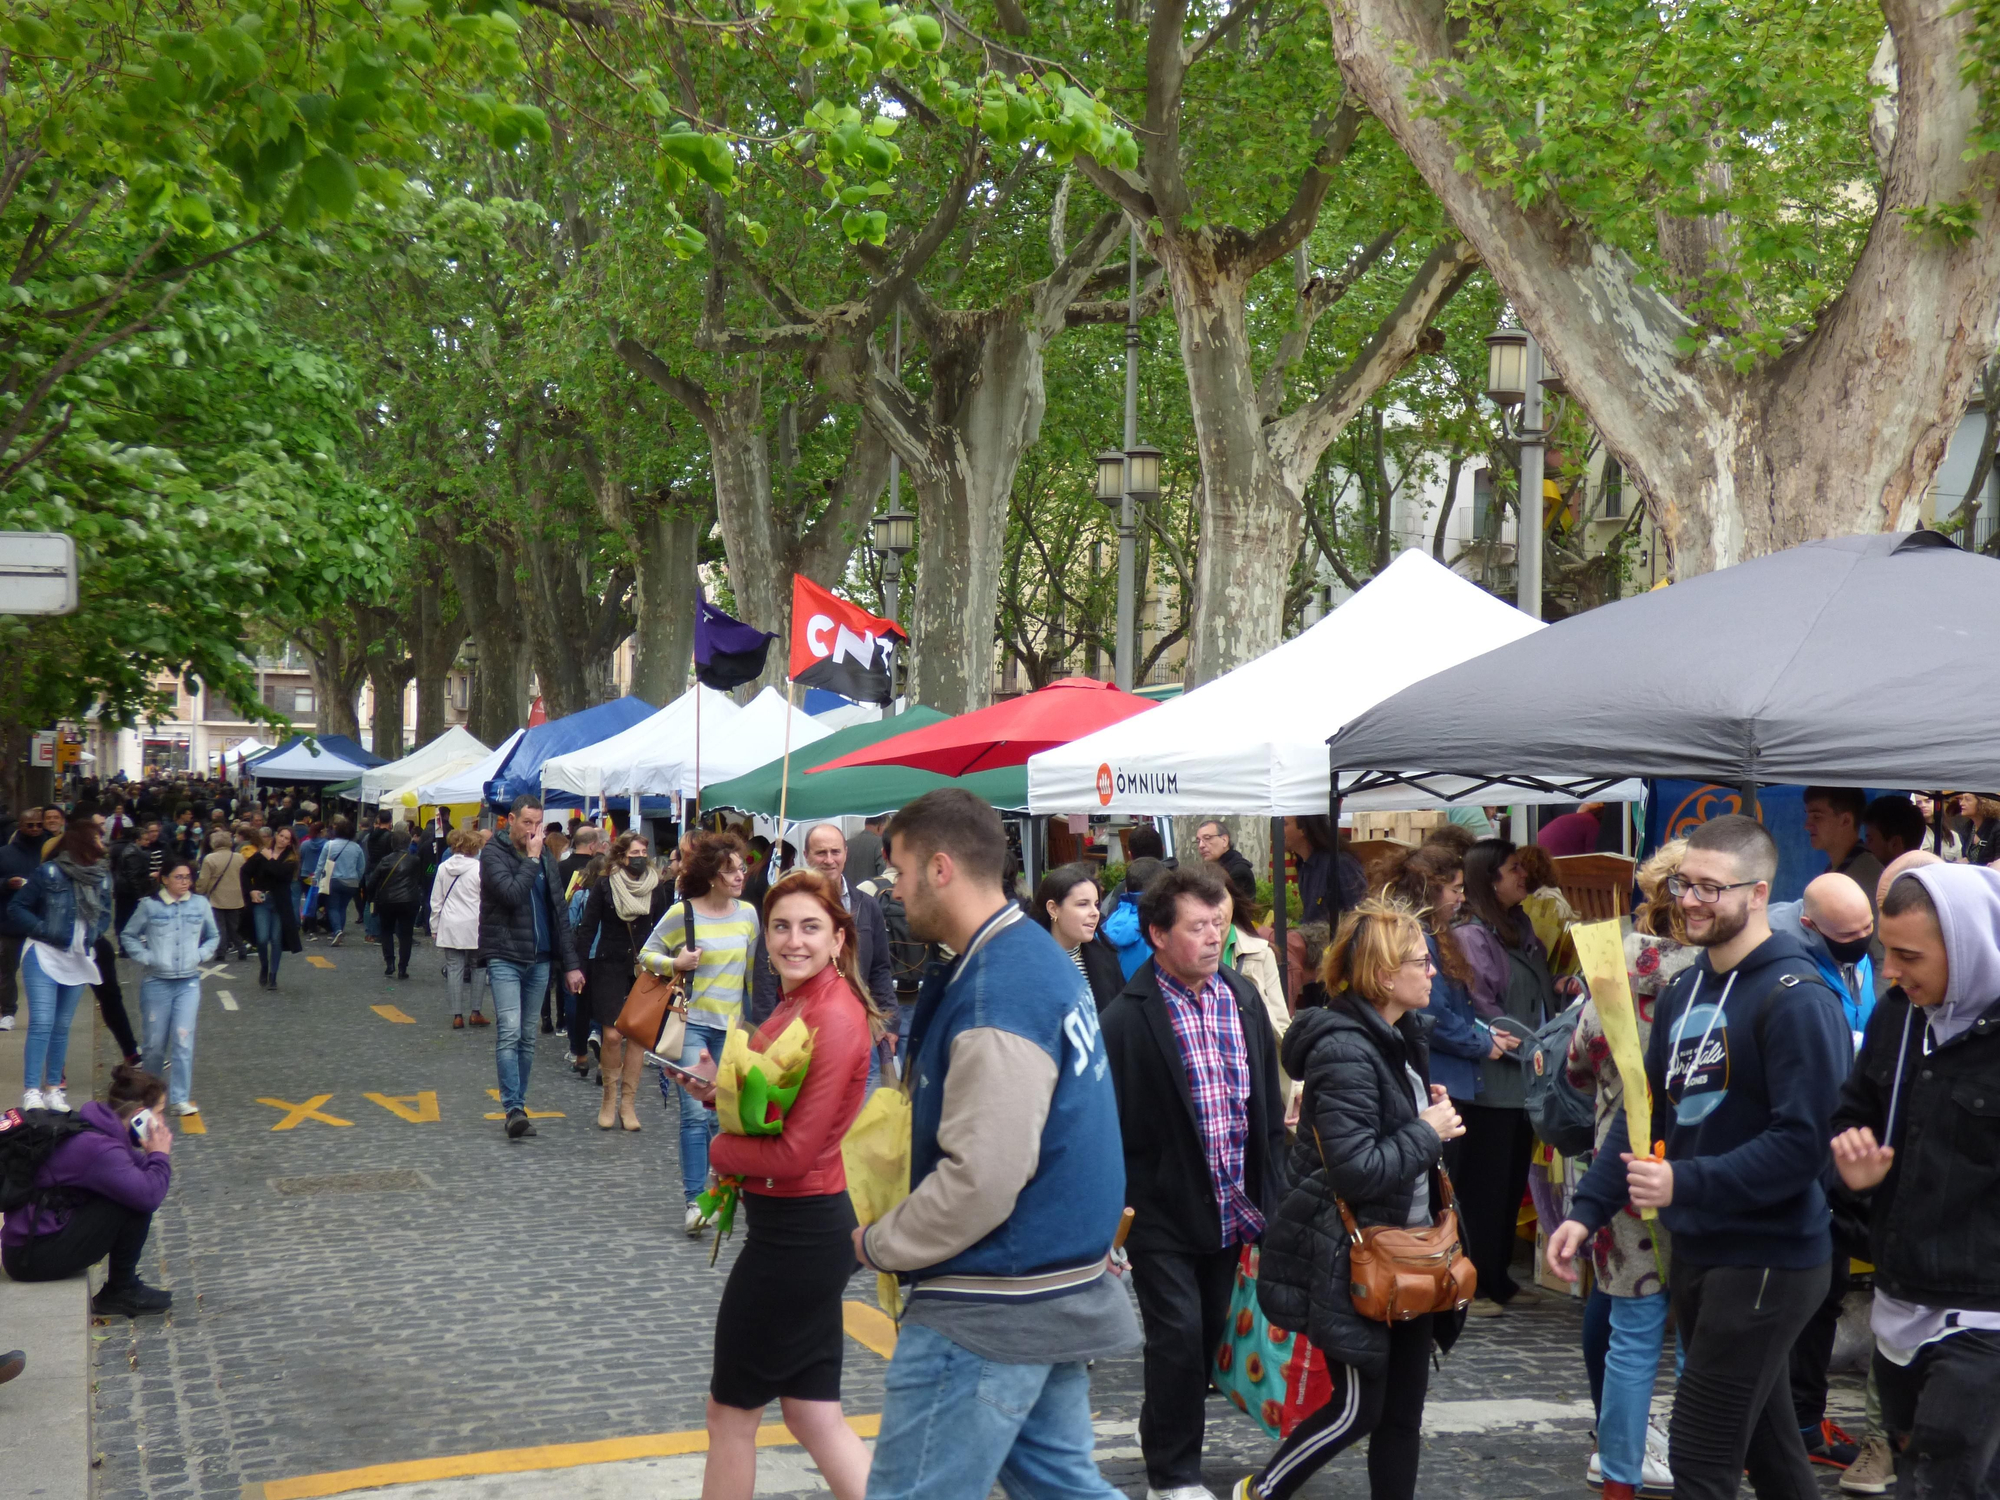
(1747,1055)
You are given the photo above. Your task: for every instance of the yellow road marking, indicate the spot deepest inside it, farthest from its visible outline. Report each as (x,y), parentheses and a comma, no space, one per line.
(317,962)
(418,1109)
(391,1013)
(306,1111)
(533,1114)
(869,1327)
(191,1125)
(518,1461)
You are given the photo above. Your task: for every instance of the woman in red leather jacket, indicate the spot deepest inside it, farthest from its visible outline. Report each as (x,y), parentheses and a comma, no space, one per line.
(778,1333)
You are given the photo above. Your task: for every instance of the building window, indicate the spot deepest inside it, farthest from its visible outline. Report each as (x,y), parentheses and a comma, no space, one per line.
(302,701)
(1485,514)
(1614,491)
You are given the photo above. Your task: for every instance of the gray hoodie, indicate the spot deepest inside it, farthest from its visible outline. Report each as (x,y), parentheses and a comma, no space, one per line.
(1967,898)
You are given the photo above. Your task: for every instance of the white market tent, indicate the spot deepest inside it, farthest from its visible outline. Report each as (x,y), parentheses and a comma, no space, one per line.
(241,749)
(604,769)
(1253,742)
(307,761)
(458,788)
(755,737)
(451,751)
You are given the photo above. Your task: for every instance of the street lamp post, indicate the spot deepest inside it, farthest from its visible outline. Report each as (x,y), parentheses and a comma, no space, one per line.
(1515,377)
(1129,479)
(895,535)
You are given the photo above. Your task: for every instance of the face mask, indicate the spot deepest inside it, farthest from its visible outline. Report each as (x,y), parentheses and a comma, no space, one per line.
(1846,953)
(637,867)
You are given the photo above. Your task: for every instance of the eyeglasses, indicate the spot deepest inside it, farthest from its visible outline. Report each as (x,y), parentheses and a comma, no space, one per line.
(1705,891)
(1421,961)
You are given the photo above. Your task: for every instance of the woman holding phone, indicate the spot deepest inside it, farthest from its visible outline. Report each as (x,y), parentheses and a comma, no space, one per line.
(270,876)
(778,1333)
(716,970)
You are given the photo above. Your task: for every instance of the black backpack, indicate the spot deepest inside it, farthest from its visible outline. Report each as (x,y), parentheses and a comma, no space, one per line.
(26,1144)
(1564,1117)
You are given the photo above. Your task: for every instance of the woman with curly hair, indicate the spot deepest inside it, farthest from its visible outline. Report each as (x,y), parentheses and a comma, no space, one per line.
(715,966)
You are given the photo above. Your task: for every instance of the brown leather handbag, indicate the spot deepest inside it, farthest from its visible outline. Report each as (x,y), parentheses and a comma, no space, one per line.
(1396,1274)
(655,1010)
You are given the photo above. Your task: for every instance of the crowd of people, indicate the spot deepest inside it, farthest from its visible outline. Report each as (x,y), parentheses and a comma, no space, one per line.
(1115,1093)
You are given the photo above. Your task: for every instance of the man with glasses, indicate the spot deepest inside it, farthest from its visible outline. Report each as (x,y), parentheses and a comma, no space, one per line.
(1195,1065)
(1218,848)
(1748,1052)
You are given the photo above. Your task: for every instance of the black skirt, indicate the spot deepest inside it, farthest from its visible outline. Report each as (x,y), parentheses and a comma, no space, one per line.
(779,1330)
(606,983)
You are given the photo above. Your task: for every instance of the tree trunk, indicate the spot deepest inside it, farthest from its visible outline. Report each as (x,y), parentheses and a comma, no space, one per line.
(763,540)
(668,539)
(434,647)
(1840,433)
(482,571)
(338,668)
(389,678)
(963,449)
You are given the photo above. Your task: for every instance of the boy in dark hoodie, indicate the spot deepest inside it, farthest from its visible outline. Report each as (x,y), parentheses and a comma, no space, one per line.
(1919,1133)
(1748,1051)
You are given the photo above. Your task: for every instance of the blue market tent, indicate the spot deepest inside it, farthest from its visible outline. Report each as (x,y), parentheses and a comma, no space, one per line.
(521,772)
(326,757)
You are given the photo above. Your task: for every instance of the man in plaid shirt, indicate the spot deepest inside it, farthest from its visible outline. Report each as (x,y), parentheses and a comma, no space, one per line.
(1195,1065)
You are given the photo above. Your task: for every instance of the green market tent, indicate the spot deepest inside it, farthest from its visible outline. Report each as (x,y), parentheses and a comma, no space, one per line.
(864,790)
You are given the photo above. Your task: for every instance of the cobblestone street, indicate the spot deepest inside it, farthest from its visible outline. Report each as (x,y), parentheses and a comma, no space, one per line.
(366,1273)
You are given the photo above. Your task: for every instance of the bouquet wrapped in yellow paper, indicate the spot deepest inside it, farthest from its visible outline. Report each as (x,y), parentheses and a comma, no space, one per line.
(754,1089)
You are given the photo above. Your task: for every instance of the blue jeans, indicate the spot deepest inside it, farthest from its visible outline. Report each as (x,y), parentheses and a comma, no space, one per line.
(338,894)
(167,1010)
(1631,1360)
(952,1423)
(517,998)
(698,1122)
(267,926)
(51,1008)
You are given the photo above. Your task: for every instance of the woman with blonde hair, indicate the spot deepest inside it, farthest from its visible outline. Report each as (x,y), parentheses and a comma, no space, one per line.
(778,1332)
(1372,1132)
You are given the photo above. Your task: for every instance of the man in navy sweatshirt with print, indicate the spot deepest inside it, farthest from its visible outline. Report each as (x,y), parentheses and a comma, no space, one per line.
(1748,1052)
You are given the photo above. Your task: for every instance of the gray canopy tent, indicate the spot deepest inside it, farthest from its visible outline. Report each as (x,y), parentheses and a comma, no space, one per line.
(1862,661)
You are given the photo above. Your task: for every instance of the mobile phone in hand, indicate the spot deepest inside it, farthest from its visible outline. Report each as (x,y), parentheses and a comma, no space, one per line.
(700,1073)
(142,1122)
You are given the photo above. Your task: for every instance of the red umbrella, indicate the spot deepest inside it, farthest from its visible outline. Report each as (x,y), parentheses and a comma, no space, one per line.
(1005,734)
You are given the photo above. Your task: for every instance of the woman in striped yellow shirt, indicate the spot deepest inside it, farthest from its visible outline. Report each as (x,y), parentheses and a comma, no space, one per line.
(716,969)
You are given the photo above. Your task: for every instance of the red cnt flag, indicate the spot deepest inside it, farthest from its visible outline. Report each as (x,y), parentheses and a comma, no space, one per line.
(840,646)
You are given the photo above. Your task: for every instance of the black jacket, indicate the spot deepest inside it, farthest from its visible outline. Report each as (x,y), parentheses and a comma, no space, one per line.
(396,879)
(132,869)
(1361,1112)
(1238,867)
(617,942)
(1934,1231)
(275,877)
(506,906)
(374,848)
(1105,973)
(871,956)
(1167,1182)
(18,858)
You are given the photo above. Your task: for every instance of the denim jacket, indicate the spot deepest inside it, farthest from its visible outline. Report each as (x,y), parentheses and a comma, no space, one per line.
(173,939)
(45,908)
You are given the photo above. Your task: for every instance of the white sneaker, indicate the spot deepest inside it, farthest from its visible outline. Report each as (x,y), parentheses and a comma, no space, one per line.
(6,1023)
(55,1099)
(1655,1477)
(185,1107)
(1181,1492)
(31,1099)
(693,1225)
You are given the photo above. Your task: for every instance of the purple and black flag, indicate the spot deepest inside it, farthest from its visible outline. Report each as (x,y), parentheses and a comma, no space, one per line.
(727,653)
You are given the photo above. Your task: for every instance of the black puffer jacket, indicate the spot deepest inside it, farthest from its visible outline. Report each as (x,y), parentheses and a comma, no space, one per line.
(507,911)
(396,879)
(1361,1111)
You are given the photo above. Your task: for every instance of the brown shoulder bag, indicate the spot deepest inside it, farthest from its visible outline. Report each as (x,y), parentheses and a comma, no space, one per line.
(655,1010)
(1396,1274)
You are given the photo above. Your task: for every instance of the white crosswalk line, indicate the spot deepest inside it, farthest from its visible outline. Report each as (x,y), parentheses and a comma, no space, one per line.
(216,971)
(228,1000)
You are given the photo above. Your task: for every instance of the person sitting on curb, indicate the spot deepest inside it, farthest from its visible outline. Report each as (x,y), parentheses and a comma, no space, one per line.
(95,1197)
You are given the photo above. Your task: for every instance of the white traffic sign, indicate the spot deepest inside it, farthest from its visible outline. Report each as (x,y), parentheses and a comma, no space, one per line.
(37,573)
